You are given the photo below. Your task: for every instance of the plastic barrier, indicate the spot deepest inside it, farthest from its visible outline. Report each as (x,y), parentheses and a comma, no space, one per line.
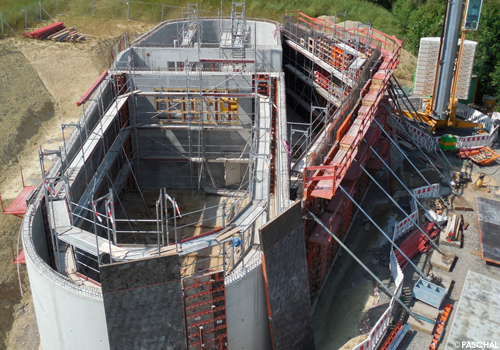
(426,191)
(405,225)
(430,143)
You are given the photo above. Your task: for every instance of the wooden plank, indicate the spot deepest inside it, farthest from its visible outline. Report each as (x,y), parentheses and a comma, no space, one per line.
(222,236)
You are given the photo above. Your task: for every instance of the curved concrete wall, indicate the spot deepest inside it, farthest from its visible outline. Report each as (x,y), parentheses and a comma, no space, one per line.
(68,316)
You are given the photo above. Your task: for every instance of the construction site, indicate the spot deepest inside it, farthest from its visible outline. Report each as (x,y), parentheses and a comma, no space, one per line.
(239,183)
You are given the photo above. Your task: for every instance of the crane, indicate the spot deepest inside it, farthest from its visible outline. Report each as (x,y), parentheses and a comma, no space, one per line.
(441,108)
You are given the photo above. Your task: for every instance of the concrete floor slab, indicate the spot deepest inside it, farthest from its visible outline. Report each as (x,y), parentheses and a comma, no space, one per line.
(477,318)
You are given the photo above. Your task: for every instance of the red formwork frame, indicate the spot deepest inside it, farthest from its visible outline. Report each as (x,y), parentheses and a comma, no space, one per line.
(335,171)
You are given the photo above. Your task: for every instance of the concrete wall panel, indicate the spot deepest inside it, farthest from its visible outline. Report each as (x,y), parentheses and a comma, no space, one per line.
(143,303)
(285,266)
(247,320)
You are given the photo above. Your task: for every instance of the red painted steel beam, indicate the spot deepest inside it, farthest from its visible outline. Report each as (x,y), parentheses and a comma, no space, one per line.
(38,32)
(93,88)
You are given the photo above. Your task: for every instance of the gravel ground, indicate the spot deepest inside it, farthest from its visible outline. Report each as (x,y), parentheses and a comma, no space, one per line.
(466,261)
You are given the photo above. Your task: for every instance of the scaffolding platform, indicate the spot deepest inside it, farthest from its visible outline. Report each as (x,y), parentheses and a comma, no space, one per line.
(86,241)
(19,204)
(78,238)
(93,140)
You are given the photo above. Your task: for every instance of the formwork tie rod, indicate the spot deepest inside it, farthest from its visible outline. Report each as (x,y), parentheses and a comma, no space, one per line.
(413,165)
(385,234)
(402,184)
(399,207)
(339,241)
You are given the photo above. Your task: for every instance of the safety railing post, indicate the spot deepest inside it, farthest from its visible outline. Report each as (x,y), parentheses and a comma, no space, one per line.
(1,23)
(158,226)
(25,17)
(224,215)
(175,227)
(162,8)
(128,12)
(40,6)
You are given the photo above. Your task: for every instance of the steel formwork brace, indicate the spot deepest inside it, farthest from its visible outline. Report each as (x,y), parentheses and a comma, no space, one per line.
(339,241)
(385,234)
(399,207)
(401,182)
(413,165)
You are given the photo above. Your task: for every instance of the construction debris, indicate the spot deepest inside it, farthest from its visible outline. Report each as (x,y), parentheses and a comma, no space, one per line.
(415,243)
(56,32)
(481,156)
(434,204)
(452,234)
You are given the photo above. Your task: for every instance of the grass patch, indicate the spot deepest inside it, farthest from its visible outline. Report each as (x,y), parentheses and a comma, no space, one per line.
(357,10)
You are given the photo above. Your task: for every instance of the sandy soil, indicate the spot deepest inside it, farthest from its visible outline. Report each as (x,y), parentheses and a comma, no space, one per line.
(41,82)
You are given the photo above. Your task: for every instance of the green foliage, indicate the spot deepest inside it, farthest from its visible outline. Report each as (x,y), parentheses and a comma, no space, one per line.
(423,20)
(487,64)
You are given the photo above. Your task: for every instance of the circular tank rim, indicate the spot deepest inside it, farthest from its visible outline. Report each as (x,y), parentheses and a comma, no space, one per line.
(38,263)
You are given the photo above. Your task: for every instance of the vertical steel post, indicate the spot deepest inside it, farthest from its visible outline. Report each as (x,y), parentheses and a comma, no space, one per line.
(175,226)
(57,7)
(128,13)
(40,5)
(224,214)
(162,7)
(166,215)
(224,258)
(158,227)
(107,228)
(112,208)
(96,236)
(25,17)
(1,23)
(93,8)
(161,217)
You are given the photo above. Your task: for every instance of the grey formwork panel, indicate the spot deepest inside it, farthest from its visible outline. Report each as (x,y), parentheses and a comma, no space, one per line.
(143,304)
(285,265)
